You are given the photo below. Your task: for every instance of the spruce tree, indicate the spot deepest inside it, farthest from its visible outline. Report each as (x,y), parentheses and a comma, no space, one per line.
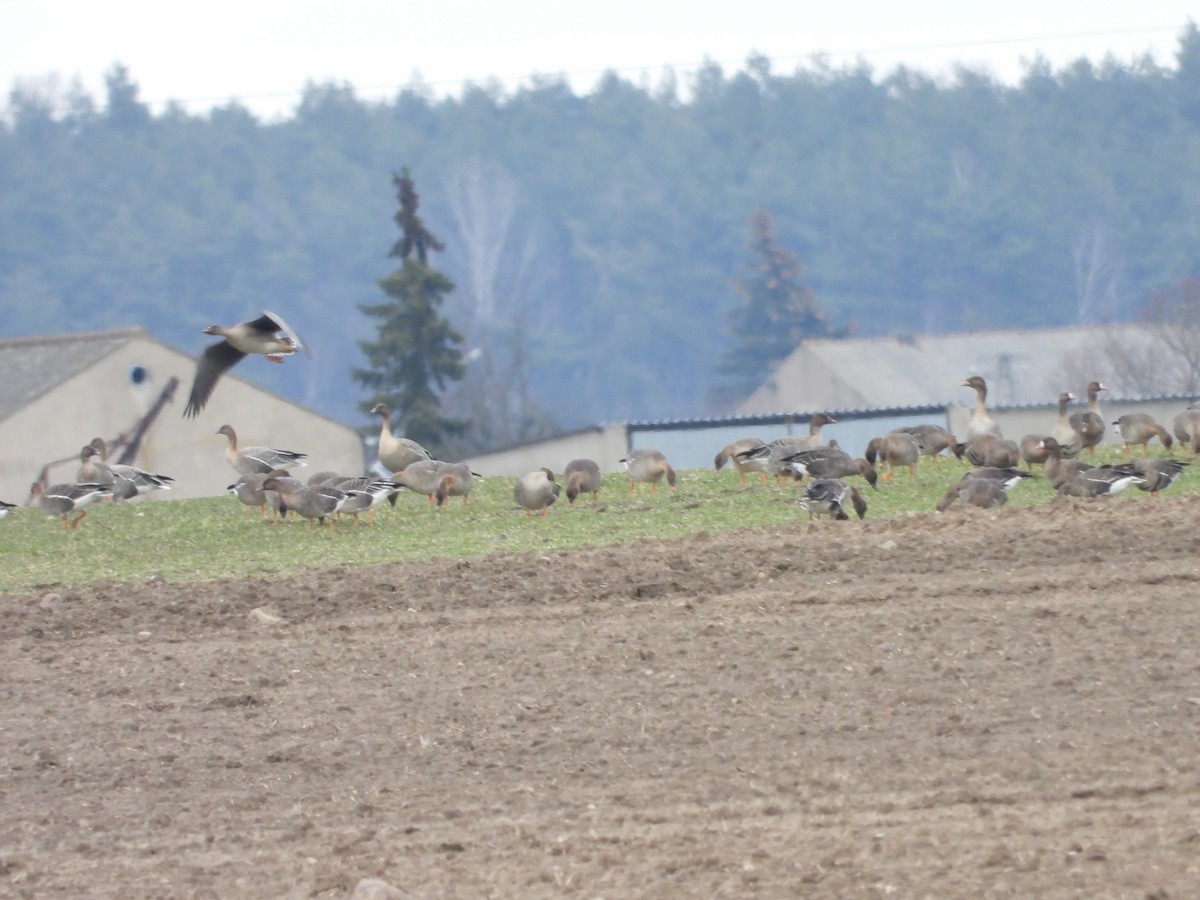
(417,351)
(777,312)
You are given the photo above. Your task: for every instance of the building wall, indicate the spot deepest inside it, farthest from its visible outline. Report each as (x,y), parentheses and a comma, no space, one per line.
(606,444)
(102,402)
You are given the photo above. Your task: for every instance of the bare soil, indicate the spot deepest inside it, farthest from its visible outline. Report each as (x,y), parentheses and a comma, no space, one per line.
(961,705)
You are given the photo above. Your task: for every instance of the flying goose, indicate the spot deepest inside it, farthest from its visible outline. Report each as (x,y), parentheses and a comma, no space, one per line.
(268,336)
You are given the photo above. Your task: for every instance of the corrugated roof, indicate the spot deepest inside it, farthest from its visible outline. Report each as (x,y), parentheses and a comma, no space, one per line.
(1022,368)
(29,367)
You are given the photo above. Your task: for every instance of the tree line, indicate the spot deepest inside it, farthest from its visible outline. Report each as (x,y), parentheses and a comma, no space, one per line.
(602,246)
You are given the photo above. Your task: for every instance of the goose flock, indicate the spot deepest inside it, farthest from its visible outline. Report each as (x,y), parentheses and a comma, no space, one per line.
(265,480)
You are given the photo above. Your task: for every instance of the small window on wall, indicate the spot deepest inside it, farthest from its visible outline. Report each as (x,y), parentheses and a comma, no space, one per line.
(139,376)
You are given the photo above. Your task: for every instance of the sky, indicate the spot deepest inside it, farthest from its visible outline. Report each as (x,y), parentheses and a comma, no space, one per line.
(263,52)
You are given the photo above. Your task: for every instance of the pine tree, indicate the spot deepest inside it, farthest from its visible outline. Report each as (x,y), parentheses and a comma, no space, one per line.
(417,351)
(777,312)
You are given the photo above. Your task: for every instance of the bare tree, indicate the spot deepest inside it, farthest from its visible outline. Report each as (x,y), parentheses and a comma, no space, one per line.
(1172,315)
(1097,274)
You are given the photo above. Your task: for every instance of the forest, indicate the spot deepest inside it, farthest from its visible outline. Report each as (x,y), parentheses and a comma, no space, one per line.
(597,242)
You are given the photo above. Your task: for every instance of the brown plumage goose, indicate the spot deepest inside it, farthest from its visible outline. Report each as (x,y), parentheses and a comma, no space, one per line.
(990,450)
(1158,472)
(897,449)
(396,453)
(1089,423)
(582,476)
(1056,469)
(931,439)
(365,492)
(268,336)
(985,487)
(1141,428)
(1187,429)
(248,460)
(735,453)
(1033,449)
(63,499)
(1099,481)
(312,501)
(437,480)
(536,491)
(648,466)
(250,492)
(981,423)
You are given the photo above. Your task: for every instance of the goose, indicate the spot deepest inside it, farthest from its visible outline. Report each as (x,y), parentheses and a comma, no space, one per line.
(128,481)
(1158,472)
(437,480)
(365,493)
(312,501)
(268,336)
(981,423)
(894,449)
(647,466)
(1089,423)
(1033,449)
(1069,440)
(396,453)
(249,460)
(772,457)
(985,487)
(1100,480)
(1056,469)
(249,490)
(832,461)
(6,508)
(733,453)
(63,499)
(828,496)
(1141,428)
(931,439)
(1187,429)
(582,476)
(990,450)
(536,491)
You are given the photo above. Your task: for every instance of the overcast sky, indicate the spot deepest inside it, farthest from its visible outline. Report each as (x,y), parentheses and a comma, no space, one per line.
(262,52)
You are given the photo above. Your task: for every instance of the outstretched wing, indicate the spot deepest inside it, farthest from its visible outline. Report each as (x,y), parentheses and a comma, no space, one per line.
(214,362)
(273,324)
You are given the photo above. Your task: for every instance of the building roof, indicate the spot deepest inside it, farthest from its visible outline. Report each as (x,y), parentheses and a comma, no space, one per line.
(31,366)
(1022,368)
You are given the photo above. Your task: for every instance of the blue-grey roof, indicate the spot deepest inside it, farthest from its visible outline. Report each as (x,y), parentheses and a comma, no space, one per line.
(29,367)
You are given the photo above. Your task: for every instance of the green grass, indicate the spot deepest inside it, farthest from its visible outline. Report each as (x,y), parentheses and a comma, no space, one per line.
(202,540)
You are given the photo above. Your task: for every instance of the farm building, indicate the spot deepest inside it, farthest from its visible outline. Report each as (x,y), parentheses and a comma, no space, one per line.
(873,385)
(124,386)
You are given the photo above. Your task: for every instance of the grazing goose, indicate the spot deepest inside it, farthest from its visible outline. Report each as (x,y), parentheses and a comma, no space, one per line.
(931,439)
(536,491)
(6,508)
(1140,428)
(981,423)
(437,480)
(773,457)
(1187,429)
(249,490)
(128,481)
(396,453)
(733,453)
(1069,440)
(1158,472)
(1056,469)
(582,476)
(990,450)
(895,449)
(1100,480)
(1090,422)
(249,460)
(312,501)
(365,493)
(985,487)
(267,336)
(831,461)
(828,496)
(646,466)
(63,499)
